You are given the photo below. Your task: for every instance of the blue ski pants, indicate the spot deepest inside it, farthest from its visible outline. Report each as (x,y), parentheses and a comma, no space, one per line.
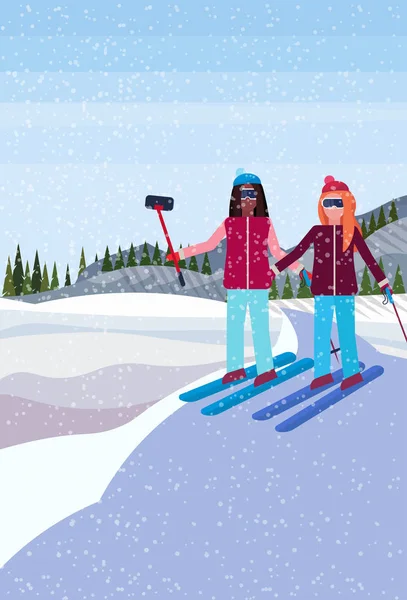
(345,317)
(258,303)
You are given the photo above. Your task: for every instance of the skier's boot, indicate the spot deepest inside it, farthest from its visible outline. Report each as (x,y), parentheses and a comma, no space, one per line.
(351,381)
(321,381)
(265,377)
(234,376)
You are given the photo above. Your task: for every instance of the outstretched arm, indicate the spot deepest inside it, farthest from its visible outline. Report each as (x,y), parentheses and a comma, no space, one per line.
(369,259)
(295,254)
(278,253)
(207,246)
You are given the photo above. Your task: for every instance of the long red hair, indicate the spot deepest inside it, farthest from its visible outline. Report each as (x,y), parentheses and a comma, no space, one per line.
(348,220)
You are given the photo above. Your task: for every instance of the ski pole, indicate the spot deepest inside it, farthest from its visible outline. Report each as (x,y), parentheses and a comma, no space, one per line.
(167,237)
(388,297)
(308,283)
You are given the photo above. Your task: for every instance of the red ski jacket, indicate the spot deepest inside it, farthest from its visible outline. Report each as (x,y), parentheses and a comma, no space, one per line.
(249,240)
(333,273)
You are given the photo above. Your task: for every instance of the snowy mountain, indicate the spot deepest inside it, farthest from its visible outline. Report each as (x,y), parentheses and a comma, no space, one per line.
(388,243)
(151,279)
(96,268)
(401,207)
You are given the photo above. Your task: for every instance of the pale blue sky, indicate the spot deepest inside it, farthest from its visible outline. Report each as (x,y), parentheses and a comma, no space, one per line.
(102,104)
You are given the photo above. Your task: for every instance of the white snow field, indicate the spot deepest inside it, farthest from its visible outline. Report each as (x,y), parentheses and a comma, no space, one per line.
(46,480)
(148,329)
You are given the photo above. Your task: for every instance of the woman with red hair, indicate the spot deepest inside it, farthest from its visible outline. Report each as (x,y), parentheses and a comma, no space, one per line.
(334,279)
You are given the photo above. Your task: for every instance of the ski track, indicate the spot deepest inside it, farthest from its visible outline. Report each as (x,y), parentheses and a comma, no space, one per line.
(225,507)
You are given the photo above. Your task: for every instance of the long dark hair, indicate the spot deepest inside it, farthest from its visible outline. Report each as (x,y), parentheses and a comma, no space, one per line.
(261,210)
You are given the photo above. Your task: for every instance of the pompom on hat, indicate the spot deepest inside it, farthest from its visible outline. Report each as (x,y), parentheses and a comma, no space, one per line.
(242,177)
(331,185)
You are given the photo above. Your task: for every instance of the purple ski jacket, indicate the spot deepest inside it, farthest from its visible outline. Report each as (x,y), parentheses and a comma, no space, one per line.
(333,273)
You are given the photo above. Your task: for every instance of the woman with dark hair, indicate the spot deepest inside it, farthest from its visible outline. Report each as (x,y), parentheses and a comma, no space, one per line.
(250,235)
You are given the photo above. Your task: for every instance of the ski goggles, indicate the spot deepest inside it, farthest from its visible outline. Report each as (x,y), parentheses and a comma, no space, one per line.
(330,202)
(247,193)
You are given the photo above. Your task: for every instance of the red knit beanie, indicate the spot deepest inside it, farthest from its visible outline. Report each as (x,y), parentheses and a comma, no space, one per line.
(334,186)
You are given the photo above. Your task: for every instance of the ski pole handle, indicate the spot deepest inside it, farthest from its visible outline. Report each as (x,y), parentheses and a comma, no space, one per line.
(306,278)
(389,295)
(181,279)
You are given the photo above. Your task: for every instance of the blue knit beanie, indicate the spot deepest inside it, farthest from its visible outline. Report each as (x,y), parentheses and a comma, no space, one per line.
(242,177)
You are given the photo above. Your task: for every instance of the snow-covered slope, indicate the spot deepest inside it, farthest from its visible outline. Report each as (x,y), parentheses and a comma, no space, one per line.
(89,364)
(48,479)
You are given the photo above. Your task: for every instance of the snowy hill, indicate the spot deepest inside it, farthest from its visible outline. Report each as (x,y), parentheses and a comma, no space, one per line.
(89,364)
(95,268)
(401,206)
(151,279)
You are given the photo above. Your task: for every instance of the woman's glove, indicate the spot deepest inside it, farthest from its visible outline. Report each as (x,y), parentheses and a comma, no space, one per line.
(173,257)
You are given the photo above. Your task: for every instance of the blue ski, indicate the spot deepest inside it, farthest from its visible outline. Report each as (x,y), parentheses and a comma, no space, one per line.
(272,410)
(249,391)
(327,401)
(214,387)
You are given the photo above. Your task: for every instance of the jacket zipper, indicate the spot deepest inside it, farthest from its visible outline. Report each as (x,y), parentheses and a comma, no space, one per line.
(334,260)
(247,253)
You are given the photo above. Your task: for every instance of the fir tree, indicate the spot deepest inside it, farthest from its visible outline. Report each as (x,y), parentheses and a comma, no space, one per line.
(82,262)
(398,284)
(18,273)
(376,290)
(107,262)
(365,286)
(393,216)
(193,264)
(304,292)
(36,276)
(157,261)
(273,293)
(168,263)
(182,262)
(372,225)
(96,258)
(8,287)
(45,280)
(364,230)
(206,266)
(381,221)
(27,284)
(288,290)
(55,280)
(67,277)
(131,259)
(145,257)
(119,264)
